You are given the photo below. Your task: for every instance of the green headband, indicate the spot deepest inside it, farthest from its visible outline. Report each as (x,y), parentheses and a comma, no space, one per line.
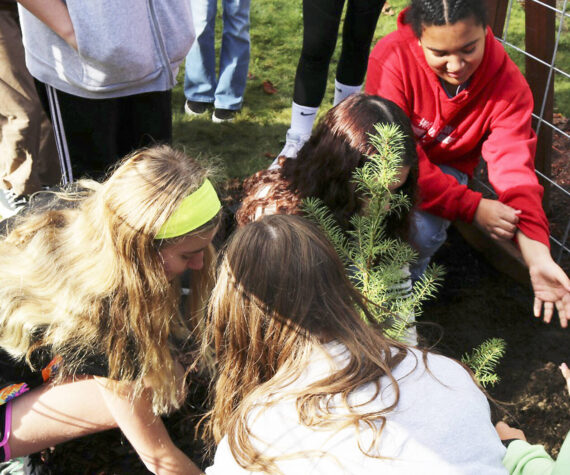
(194,211)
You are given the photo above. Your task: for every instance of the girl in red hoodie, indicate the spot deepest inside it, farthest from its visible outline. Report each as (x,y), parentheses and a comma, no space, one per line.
(467,99)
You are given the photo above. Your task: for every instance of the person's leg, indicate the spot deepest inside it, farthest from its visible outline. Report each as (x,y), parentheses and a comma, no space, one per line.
(50,415)
(20,112)
(321,20)
(234,55)
(49,171)
(144,120)
(428,232)
(85,132)
(358,31)
(200,68)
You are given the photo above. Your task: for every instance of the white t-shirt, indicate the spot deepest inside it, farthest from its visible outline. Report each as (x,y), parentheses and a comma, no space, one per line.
(440,426)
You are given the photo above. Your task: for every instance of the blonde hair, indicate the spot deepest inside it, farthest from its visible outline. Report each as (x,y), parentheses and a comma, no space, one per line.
(87,279)
(281,293)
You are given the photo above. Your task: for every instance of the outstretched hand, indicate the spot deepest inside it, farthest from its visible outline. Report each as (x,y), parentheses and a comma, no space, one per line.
(550,283)
(551,288)
(497,219)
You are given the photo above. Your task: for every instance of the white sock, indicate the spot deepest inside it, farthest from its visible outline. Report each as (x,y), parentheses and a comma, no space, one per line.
(302,119)
(342,91)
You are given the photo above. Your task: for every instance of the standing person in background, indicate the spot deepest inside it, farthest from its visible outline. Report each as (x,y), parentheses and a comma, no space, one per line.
(106,69)
(321,20)
(466,99)
(28,157)
(201,86)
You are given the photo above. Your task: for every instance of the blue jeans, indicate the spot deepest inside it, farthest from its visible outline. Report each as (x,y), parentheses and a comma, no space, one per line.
(428,232)
(200,82)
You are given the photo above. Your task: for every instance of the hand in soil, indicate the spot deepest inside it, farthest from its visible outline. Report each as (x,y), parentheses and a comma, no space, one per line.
(507,432)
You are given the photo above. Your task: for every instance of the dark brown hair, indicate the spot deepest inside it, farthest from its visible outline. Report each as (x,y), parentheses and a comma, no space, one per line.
(325,165)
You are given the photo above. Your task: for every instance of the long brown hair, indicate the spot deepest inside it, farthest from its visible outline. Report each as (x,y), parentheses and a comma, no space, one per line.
(85,277)
(281,293)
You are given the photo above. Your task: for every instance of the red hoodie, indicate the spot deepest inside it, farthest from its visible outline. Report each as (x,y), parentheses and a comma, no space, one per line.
(490,118)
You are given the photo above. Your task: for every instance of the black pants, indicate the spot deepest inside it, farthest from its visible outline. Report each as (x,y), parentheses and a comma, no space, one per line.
(321,20)
(91,134)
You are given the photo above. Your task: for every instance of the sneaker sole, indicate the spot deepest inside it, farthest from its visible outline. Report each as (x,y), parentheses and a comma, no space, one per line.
(217,120)
(191,113)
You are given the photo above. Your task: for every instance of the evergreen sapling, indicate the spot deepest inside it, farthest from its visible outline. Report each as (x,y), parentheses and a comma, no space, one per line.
(377,261)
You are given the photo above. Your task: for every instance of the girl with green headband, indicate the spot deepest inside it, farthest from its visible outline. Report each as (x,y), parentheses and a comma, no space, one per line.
(89,305)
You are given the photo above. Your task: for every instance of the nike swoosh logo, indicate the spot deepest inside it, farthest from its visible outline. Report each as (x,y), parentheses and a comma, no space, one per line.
(338,89)
(308,113)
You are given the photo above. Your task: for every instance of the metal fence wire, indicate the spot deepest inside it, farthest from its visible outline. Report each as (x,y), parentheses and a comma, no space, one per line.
(543,55)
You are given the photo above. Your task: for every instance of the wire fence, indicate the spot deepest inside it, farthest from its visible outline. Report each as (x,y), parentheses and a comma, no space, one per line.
(543,54)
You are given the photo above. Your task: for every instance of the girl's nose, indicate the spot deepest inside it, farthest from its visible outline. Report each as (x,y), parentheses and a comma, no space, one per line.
(196,262)
(454,64)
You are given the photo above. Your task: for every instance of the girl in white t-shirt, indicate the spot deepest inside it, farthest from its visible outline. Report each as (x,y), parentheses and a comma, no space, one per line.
(305,385)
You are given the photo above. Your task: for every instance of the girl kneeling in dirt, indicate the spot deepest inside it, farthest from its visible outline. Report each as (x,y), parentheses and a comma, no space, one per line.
(466,99)
(89,301)
(306,385)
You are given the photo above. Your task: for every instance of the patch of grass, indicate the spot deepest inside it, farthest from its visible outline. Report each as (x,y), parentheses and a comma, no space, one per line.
(258,133)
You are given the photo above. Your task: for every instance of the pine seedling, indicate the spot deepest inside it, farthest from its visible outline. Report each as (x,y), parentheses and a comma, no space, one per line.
(376,260)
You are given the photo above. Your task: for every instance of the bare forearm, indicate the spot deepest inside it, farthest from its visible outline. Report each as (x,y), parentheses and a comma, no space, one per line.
(145,431)
(172,462)
(55,15)
(533,252)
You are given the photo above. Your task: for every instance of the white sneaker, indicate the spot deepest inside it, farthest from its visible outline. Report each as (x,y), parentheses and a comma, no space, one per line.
(293,143)
(10,203)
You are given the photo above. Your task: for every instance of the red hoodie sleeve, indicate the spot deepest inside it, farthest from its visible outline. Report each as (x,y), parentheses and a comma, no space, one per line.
(442,195)
(509,152)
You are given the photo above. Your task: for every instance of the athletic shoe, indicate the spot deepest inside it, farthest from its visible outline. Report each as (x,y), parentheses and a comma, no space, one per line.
(293,143)
(195,108)
(223,115)
(10,203)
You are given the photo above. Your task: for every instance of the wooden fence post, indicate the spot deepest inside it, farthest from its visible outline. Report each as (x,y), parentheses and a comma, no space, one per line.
(540,27)
(497,11)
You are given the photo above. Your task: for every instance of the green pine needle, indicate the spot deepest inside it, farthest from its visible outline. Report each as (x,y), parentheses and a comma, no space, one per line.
(484,359)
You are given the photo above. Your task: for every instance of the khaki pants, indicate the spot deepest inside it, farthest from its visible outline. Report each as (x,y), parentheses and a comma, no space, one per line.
(28,157)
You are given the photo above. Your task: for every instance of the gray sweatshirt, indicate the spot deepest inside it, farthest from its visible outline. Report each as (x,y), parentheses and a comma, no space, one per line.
(125,47)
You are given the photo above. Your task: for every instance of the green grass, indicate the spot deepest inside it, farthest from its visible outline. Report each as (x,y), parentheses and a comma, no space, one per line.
(258,133)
